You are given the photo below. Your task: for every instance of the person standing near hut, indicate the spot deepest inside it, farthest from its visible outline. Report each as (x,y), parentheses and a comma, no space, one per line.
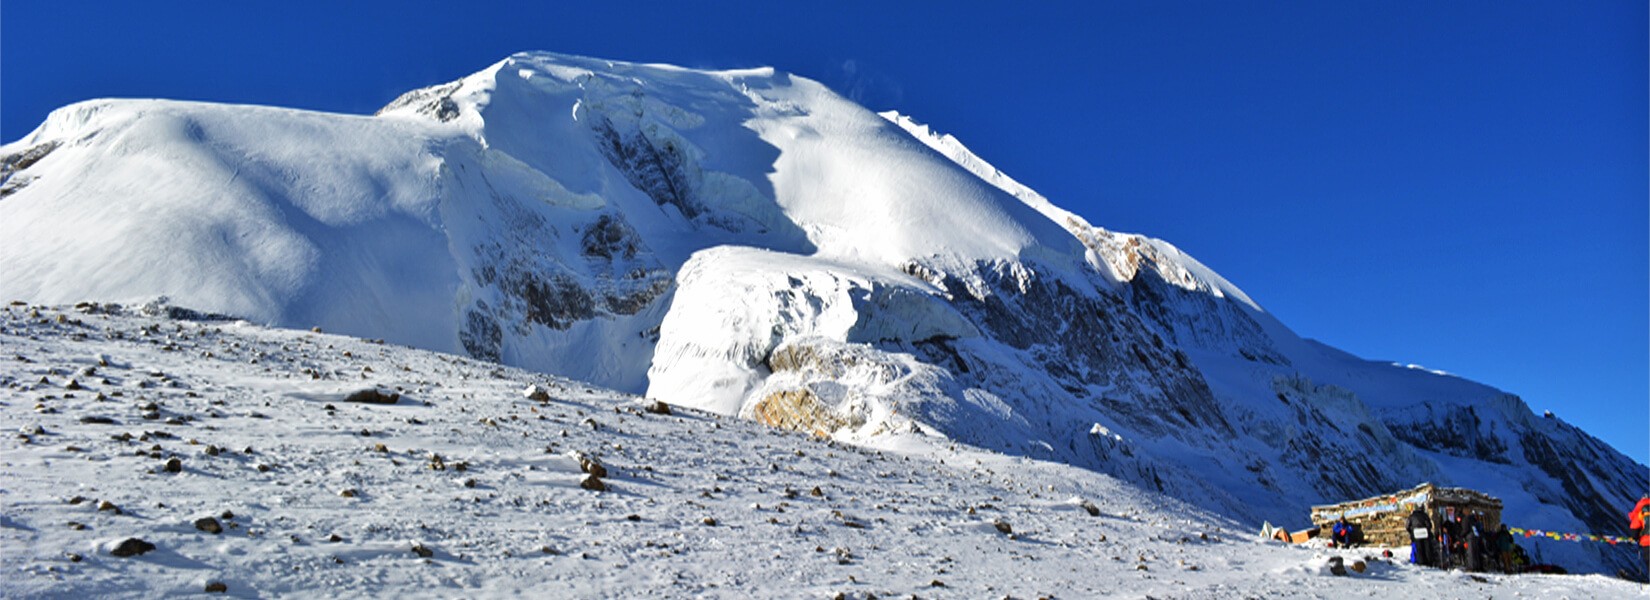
(1473,537)
(1420,538)
(1451,538)
(1503,544)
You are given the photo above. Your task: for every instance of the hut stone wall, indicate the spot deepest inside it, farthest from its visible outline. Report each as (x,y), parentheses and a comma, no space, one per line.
(1382,519)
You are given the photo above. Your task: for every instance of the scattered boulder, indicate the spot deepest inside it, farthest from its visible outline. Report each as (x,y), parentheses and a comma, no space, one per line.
(108,506)
(590,466)
(348,493)
(174,465)
(217,587)
(1359,566)
(209,525)
(373,396)
(422,551)
(1337,566)
(97,420)
(1090,508)
(536,393)
(656,407)
(592,483)
(131,547)
(1002,527)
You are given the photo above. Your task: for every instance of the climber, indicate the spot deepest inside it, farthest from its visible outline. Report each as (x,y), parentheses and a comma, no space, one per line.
(1420,538)
(1639,521)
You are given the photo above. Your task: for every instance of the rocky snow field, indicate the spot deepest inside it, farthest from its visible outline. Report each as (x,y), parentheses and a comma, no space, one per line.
(236,451)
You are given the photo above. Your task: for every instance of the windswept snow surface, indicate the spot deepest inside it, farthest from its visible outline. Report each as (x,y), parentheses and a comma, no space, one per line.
(466,487)
(749,243)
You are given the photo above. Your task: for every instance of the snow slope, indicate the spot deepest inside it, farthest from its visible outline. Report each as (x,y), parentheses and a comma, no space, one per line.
(466,487)
(749,243)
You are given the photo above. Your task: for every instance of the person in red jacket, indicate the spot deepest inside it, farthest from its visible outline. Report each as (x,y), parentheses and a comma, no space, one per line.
(1639,521)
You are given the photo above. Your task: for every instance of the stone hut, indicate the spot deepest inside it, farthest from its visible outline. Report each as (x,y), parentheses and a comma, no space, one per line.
(1380,520)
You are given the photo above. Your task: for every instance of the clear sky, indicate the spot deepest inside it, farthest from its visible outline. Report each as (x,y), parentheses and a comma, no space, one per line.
(1461,185)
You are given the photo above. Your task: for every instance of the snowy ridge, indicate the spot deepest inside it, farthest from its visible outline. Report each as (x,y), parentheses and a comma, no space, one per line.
(749,243)
(1122,253)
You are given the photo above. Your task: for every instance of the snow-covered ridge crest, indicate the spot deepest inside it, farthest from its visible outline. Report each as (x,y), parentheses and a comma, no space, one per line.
(751,243)
(1121,254)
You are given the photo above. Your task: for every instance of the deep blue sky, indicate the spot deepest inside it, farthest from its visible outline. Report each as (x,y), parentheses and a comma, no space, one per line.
(1456,184)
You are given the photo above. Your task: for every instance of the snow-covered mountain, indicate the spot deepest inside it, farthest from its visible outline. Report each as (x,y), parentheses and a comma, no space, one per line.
(750,243)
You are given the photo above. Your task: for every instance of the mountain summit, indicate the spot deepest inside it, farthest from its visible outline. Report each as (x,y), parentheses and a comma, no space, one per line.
(750,243)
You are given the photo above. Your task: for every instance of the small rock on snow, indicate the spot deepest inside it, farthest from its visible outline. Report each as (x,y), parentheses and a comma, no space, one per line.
(131,547)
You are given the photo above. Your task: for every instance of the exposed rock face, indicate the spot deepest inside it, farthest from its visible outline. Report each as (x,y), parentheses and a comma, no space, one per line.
(1043,316)
(12,165)
(481,335)
(797,410)
(1457,431)
(659,169)
(433,102)
(1199,320)
(1579,491)
(609,237)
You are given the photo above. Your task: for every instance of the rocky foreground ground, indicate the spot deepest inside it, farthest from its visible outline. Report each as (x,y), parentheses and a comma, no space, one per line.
(156,451)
